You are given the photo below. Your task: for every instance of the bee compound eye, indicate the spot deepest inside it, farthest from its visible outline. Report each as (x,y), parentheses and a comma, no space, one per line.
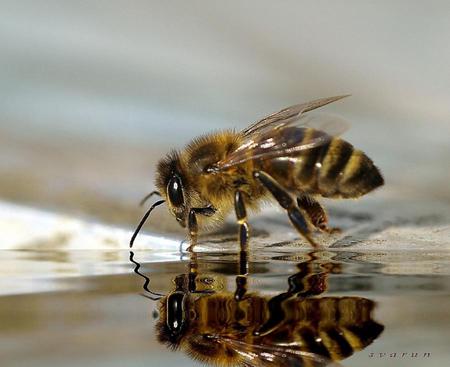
(175,191)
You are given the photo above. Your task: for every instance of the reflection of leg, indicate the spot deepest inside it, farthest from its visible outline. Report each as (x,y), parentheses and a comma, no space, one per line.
(314,285)
(239,294)
(307,281)
(285,200)
(192,277)
(311,279)
(241,279)
(193,271)
(315,212)
(275,305)
(277,314)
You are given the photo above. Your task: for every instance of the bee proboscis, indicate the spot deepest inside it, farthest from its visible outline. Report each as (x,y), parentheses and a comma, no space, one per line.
(288,156)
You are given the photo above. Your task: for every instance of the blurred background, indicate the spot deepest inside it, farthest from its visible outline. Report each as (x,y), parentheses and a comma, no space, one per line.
(93,93)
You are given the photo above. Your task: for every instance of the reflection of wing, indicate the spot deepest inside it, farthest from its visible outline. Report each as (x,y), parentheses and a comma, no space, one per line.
(290,113)
(274,355)
(286,137)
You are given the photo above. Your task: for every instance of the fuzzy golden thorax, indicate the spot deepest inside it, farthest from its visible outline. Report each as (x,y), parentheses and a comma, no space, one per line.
(202,188)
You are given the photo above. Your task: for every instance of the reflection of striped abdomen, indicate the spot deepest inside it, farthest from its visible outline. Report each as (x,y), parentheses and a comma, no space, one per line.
(332,327)
(334,170)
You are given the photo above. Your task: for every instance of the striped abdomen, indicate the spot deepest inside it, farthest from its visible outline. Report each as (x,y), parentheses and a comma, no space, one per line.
(334,170)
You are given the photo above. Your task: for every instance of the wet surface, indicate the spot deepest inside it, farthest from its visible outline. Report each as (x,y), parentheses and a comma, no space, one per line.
(92,311)
(376,294)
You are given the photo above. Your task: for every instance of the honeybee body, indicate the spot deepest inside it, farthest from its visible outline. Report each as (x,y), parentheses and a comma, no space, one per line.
(332,170)
(287,156)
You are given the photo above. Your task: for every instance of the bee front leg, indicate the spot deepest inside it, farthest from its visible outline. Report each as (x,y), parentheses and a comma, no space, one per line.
(193,225)
(241,215)
(193,229)
(285,200)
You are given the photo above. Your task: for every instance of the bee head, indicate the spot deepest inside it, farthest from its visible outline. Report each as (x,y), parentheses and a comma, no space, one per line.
(172,182)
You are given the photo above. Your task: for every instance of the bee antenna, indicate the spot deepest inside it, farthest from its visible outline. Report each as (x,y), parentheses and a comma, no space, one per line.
(148,196)
(147,280)
(144,218)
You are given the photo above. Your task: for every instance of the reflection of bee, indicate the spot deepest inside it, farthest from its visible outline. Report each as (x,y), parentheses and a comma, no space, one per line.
(286,154)
(294,328)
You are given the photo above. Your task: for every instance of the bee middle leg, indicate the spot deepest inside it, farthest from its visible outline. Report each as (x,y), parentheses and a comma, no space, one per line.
(317,215)
(285,200)
(241,215)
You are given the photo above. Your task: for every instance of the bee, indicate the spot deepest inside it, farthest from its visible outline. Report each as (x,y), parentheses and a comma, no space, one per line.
(288,156)
(294,328)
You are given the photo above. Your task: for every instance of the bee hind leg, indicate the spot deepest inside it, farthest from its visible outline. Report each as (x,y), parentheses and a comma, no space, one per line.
(285,200)
(316,213)
(241,215)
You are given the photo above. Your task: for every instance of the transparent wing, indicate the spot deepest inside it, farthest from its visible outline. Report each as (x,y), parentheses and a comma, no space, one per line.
(274,355)
(285,138)
(290,113)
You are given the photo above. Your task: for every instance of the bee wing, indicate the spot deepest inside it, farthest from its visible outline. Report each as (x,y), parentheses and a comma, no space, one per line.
(284,138)
(290,113)
(274,355)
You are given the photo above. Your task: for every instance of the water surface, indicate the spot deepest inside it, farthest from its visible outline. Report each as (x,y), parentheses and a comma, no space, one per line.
(52,315)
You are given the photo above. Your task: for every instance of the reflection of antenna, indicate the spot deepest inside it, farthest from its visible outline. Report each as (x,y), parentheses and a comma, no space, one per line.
(147,280)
